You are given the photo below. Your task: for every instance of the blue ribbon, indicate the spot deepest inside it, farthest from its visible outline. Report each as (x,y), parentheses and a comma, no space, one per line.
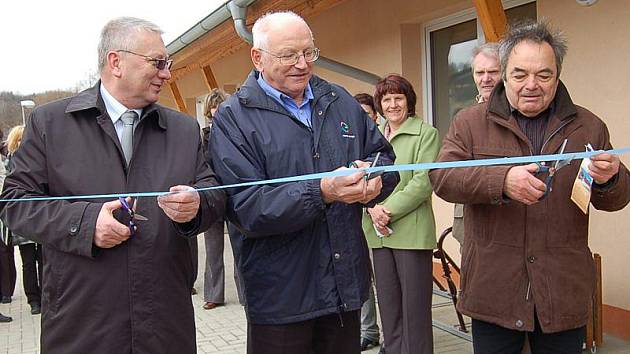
(344,172)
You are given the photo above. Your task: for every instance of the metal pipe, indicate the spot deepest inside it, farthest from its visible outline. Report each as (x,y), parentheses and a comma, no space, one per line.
(347,70)
(218,16)
(239,14)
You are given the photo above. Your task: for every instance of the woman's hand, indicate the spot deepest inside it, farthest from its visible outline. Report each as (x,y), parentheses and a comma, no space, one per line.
(380,216)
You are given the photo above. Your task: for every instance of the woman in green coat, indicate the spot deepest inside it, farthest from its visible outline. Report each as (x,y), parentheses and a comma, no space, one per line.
(401,230)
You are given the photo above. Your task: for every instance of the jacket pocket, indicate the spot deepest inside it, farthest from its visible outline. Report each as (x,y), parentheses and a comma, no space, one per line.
(568,230)
(579,282)
(52,280)
(477,223)
(468,254)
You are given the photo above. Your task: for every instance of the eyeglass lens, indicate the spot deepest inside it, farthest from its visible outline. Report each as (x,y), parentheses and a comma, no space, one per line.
(310,55)
(160,64)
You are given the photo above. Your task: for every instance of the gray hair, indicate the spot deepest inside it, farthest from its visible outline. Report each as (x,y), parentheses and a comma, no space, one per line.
(263,24)
(490,49)
(537,32)
(117,34)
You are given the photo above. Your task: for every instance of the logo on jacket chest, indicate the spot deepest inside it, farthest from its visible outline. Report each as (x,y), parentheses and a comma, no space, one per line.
(346,131)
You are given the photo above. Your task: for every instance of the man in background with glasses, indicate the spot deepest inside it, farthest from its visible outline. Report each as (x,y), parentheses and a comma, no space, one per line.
(118,273)
(299,246)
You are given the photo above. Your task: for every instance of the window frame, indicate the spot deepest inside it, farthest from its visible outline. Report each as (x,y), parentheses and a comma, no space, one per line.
(441,23)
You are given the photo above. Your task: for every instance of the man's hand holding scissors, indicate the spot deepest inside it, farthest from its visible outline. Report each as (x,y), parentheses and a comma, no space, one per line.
(359,187)
(521,184)
(371,185)
(109,231)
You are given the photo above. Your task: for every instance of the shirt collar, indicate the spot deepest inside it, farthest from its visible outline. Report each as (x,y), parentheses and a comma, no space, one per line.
(282,97)
(114,108)
(544,114)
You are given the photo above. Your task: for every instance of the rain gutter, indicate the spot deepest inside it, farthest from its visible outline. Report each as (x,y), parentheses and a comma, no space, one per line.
(218,16)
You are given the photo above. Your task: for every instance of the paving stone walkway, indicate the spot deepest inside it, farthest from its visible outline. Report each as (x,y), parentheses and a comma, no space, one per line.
(221,330)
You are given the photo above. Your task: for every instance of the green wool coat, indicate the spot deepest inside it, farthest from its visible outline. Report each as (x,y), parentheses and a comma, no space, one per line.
(410,204)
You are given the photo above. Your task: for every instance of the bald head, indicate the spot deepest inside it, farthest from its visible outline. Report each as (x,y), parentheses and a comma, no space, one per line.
(269,25)
(284,52)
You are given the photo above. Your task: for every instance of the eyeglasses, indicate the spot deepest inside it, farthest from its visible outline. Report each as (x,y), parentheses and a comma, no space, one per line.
(159,64)
(310,55)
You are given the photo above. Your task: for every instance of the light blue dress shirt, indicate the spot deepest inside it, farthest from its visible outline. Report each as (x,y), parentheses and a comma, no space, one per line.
(301,112)
(116,109)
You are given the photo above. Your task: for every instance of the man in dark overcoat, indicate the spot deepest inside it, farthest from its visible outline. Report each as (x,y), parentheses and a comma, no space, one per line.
(109,287)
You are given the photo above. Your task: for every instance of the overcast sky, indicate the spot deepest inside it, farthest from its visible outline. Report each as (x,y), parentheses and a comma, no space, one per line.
(48,45)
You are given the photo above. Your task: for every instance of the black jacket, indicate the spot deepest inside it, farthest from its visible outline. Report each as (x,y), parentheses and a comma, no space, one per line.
(132,298)
(299,258)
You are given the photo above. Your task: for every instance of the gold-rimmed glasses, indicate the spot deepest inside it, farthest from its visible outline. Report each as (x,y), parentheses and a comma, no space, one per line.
(310,55)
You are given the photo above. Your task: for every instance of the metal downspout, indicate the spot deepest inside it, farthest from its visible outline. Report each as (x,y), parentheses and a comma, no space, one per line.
(239,14)
(202,27)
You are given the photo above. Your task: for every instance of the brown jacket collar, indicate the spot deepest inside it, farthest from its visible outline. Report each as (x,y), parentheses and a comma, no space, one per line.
(564,107)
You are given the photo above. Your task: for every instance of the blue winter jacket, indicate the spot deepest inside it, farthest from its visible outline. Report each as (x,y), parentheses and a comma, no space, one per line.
(299,258)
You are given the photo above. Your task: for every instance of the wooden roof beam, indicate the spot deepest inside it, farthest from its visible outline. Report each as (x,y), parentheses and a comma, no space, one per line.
(181,105)
(208,75)
(492,17)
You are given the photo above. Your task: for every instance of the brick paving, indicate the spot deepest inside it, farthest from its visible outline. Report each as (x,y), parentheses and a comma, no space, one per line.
(221,330)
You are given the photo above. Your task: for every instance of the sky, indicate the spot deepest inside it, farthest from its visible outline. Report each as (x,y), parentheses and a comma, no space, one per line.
(50,45)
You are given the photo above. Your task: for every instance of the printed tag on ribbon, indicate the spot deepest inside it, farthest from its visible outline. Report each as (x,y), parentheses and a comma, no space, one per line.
(581,193)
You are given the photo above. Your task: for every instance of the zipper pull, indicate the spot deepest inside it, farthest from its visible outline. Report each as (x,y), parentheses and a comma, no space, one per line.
(529,287)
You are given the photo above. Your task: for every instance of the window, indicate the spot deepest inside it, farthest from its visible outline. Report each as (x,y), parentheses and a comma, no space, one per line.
(449,43)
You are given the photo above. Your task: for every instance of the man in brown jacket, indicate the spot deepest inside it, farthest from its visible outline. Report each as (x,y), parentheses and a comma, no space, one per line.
(527,267)
(109,287)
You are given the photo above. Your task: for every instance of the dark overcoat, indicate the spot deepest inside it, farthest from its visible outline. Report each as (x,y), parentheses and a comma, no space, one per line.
(135,297)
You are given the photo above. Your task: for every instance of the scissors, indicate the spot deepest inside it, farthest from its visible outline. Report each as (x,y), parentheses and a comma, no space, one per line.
(375,173)
(542,168)
(131,211)
(373,164)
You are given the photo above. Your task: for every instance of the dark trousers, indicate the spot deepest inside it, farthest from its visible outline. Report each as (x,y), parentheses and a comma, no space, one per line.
(194,252)
(32,271)
(489,338)
(214,273)
(7,270)
(404,290)
(330,334)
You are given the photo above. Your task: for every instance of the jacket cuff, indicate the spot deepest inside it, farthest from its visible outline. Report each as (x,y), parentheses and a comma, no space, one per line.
(315,198)
(496,181)
(604,187)
(84,228)
(190,228)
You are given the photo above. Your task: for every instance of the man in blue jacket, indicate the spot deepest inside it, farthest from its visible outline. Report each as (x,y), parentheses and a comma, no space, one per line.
(299,245)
